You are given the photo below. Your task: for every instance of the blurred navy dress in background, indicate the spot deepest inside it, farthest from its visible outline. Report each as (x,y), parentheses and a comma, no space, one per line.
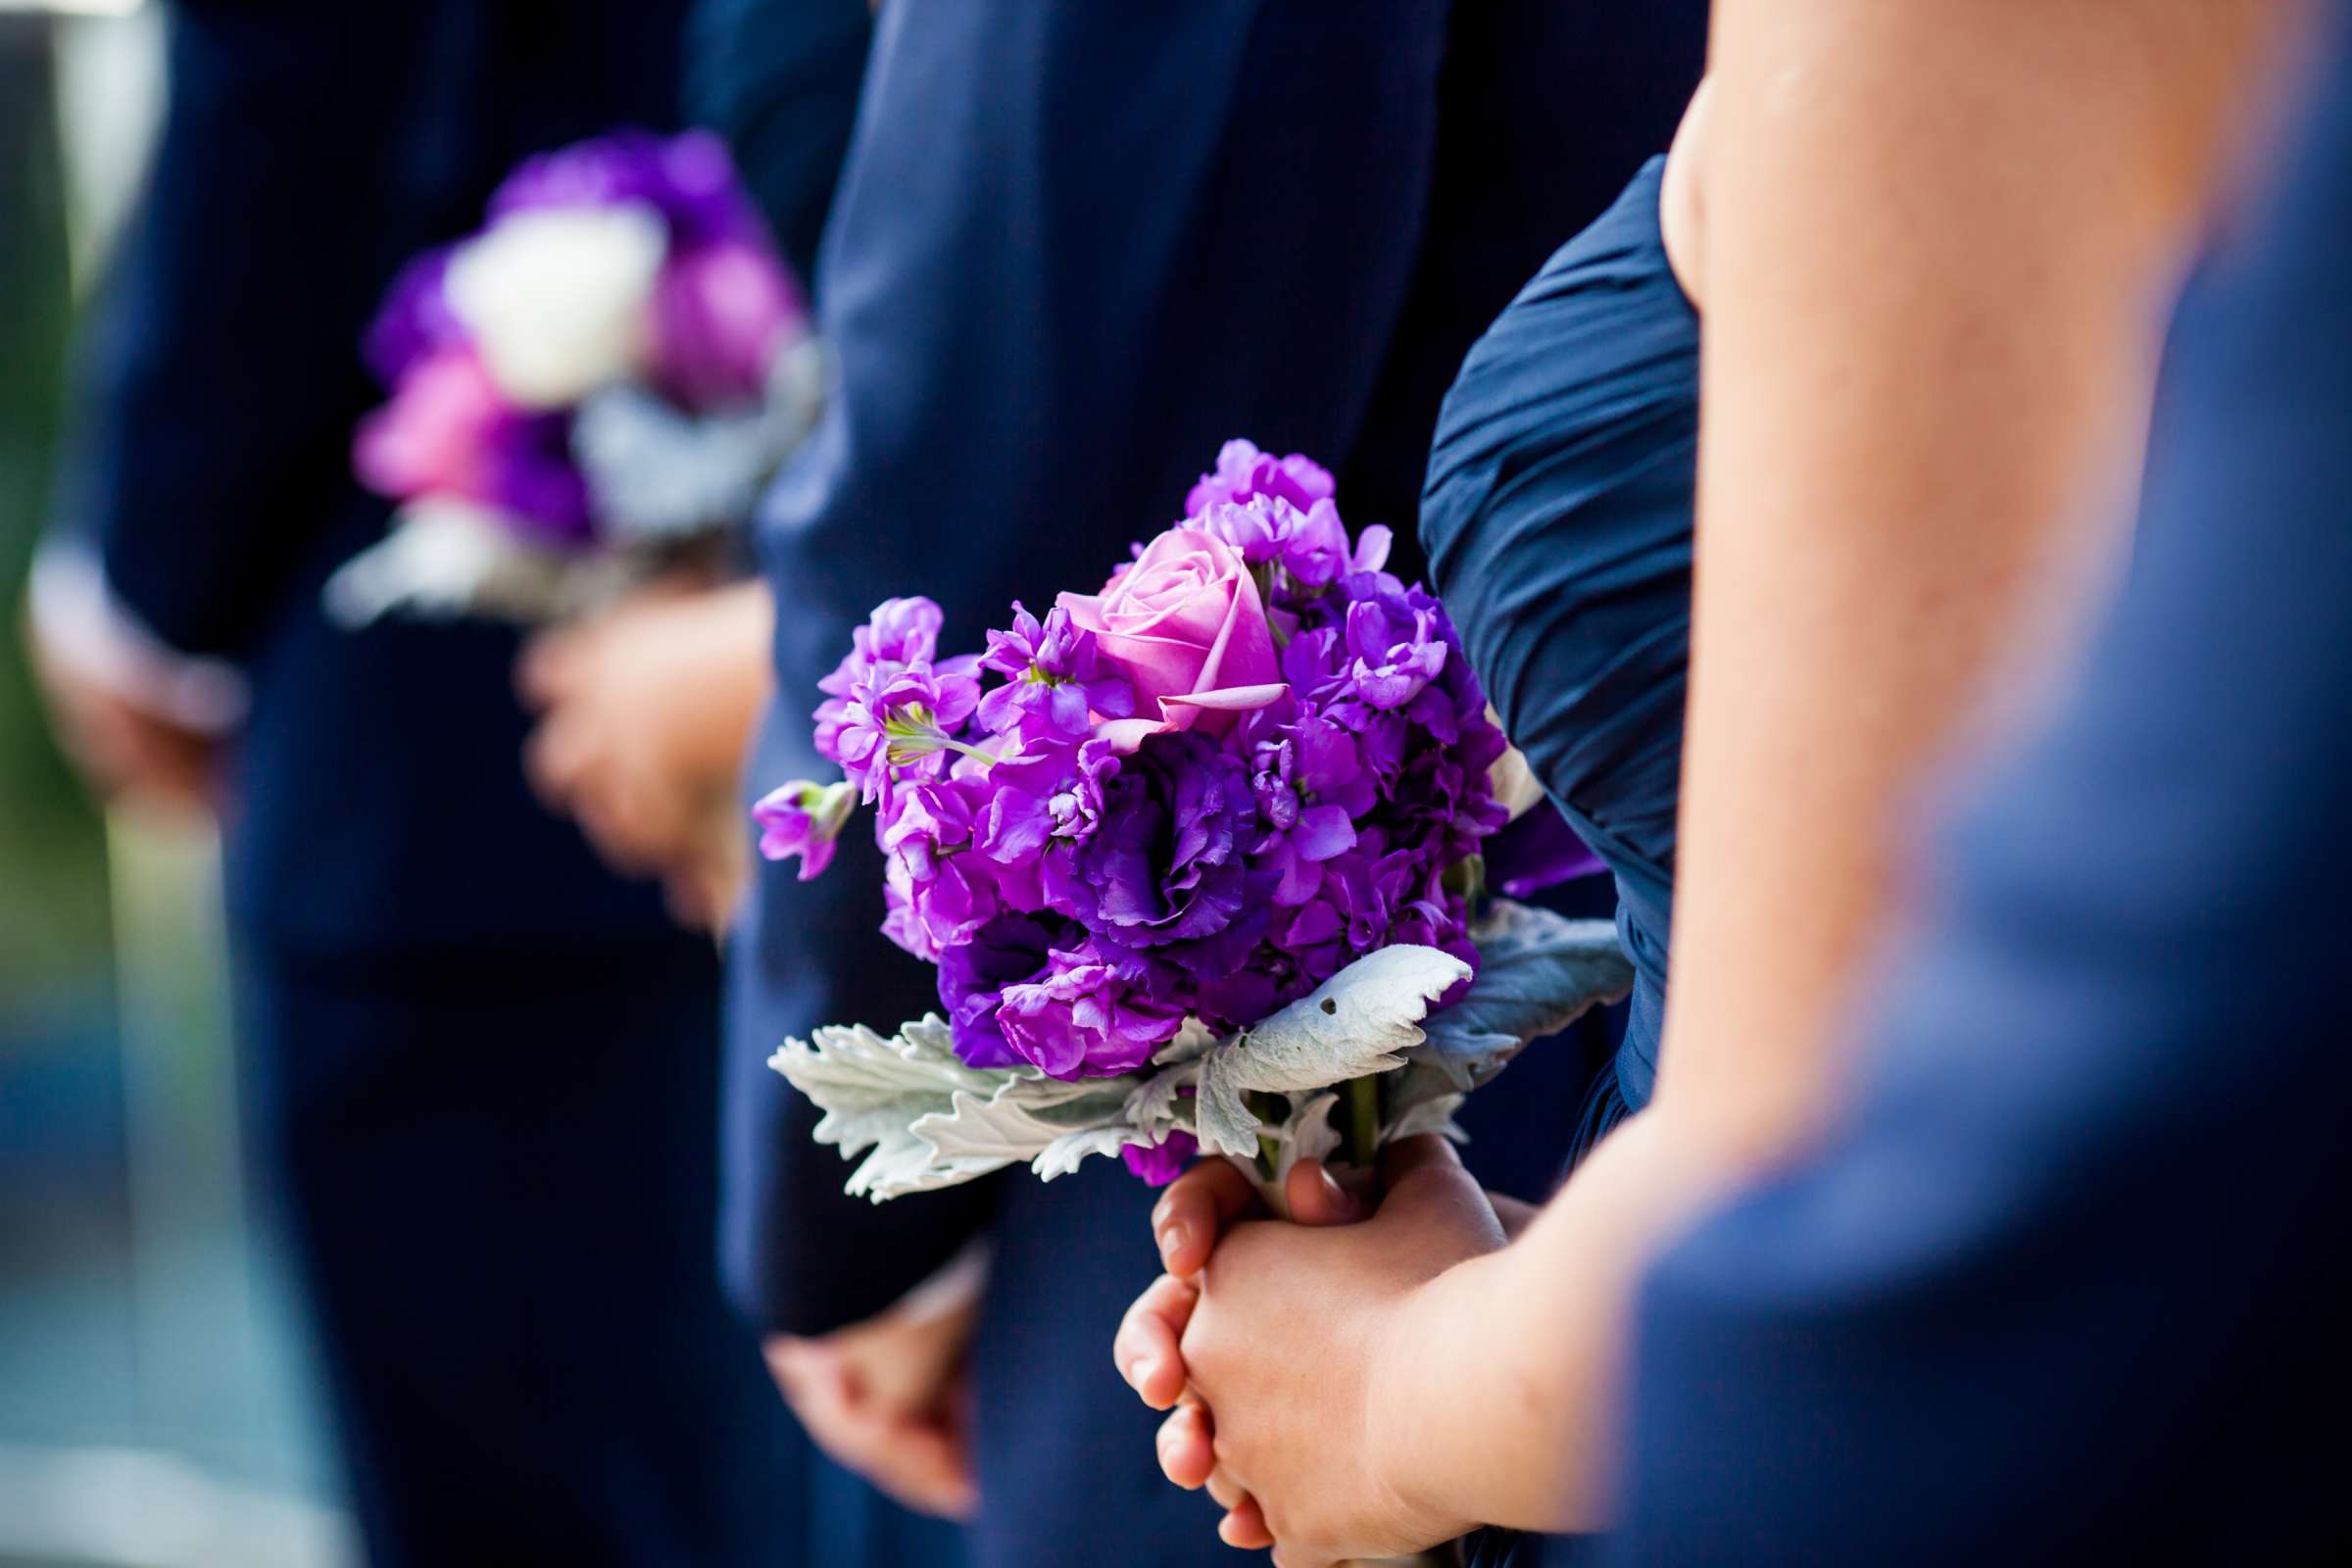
(482,1070)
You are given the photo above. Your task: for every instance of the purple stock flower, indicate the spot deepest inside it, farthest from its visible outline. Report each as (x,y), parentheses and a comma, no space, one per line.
(806,819)
(940,908)
(1020,990)
(900,631)
(1293,765)
(1059,685)
(1162,1162)
(1045,801)
(1311,545)
(926,819)
(892,708)
(415,321)
(1244,472)
(1396,650)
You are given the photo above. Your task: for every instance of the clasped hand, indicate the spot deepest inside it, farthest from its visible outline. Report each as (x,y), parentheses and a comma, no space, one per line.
(1277,1346)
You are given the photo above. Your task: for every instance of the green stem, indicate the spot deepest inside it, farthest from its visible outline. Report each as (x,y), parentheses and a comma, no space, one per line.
(1364,1122)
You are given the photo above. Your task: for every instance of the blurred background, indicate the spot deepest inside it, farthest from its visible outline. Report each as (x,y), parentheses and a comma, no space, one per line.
(152,1374)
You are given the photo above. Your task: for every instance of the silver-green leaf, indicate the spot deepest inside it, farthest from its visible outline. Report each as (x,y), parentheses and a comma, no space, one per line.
(1360,1021)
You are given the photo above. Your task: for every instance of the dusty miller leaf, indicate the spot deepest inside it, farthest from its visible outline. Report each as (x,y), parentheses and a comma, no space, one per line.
(1158,1102)
(1431,1114)
(930,1120)
(1359,1022)
(1306,1133)
(1192,1041)
(1063,1155)
(1538,974)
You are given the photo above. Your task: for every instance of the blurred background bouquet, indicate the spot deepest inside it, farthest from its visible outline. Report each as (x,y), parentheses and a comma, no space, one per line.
(588,392)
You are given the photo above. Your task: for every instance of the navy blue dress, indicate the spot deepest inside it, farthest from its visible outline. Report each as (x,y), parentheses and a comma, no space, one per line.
(1558,516)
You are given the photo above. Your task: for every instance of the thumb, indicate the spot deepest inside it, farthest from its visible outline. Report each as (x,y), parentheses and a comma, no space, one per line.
(1316,1197)
(1423,1182)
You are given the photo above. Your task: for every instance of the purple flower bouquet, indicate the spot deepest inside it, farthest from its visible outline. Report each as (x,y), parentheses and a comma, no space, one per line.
(1198,857)
(597,382)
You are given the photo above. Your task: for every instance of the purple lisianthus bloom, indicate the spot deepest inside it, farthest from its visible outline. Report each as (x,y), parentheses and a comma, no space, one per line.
(1536,852)
(1162,1162)
(688,178)
(1244,472)
(1008,950)
(806,819)
(1166,863)
(1059,683)
(720,315)
(1081,1018)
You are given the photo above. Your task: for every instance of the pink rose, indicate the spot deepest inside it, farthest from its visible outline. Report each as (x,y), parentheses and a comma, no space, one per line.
(449,431)
(1185,627)
(436,432)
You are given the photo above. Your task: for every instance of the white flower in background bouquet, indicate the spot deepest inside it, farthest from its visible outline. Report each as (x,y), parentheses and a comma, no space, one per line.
(591,389)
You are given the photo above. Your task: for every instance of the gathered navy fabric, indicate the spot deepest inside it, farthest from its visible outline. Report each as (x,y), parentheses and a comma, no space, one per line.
(1557,515)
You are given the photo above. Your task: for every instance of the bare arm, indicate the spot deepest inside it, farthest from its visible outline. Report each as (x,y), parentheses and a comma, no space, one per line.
(1937,243)
(1932,249)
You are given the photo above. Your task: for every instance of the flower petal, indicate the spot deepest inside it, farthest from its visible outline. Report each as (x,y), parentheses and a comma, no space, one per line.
(1231,698)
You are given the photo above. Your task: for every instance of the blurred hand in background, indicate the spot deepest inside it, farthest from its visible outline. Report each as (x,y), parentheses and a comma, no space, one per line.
(646,712)
(888,1398)
(124,748)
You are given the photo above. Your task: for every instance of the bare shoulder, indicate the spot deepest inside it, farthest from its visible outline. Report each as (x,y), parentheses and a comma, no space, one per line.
(1682,204)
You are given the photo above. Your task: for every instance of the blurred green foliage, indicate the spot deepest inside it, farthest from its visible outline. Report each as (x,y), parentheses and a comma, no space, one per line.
(52,848)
